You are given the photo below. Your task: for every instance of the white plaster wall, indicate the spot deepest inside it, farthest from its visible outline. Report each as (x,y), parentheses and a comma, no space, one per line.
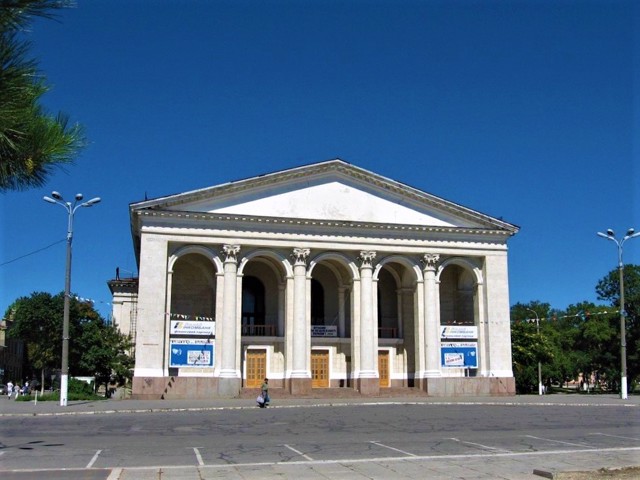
(150,335)
(332,201)
(121,311)
(498,315)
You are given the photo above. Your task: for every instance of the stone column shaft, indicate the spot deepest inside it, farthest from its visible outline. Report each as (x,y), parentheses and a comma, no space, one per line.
(229,330)
(368,382)
(432,327)
(300,373)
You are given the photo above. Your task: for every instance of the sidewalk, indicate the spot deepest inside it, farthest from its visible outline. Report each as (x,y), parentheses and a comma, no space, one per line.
(109,406)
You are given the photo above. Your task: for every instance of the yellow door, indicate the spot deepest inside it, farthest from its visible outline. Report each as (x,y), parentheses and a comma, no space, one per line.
(256,368)
(383,368)
(320,369)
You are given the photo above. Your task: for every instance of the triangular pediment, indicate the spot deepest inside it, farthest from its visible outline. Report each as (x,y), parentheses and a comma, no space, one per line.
(328,191)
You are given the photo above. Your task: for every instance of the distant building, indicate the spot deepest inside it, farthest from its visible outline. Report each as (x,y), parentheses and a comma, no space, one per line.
(325,275)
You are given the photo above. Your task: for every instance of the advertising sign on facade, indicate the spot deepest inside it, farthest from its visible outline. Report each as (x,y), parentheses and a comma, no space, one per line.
(324,331)
(458,331)
(191,353)
(459,354)
(186,327)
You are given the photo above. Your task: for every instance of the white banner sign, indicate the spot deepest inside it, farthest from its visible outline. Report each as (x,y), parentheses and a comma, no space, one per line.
(186,327)
(324,331)
(458,331)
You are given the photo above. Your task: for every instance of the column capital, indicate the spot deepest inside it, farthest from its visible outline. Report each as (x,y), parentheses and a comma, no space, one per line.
(430,261)
(366,257)
(300,255)
(231,253)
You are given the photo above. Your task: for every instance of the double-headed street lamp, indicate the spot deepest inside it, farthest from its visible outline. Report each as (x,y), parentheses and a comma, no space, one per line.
(610,235)
(71,210)
(540,388)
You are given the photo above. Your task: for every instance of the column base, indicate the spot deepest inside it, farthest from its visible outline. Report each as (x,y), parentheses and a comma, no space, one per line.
(368,386)
(300,386)
(229,387)
(468,387)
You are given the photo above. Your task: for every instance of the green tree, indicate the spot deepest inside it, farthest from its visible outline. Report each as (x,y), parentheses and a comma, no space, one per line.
(593,341)
(32,142)
(95,348)
(34,318)
(528,346)
(608,289)
(104,353)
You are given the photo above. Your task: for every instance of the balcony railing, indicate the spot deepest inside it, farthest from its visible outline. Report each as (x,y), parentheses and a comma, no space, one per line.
(387,332)
(259,330)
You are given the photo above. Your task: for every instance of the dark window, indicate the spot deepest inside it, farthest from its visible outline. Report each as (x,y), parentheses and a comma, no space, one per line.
(253,311)
(317,303)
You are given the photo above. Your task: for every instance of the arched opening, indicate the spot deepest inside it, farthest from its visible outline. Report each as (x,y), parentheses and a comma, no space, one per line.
(193,287)
(457,287)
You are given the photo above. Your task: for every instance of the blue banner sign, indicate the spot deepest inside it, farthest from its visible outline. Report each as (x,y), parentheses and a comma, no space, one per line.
(191,353)
(459,354)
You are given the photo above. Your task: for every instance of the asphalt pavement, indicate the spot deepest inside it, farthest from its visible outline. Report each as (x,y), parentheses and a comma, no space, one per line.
(505,466)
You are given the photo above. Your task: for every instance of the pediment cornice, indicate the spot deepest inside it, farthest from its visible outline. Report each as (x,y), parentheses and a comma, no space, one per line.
(338,168)
(193,218)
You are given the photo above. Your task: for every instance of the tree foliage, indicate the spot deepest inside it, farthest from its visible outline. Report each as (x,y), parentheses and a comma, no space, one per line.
(96,348)
(583,339)
(608,289)
(32,142)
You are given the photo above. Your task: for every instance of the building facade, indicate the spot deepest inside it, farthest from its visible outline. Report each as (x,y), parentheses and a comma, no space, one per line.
(321,276)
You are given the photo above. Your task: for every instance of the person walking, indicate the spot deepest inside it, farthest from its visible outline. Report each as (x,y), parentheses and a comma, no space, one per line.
(9,389)
(265,391)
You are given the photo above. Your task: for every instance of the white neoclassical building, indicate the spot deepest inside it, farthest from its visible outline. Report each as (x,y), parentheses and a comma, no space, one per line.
(321,276)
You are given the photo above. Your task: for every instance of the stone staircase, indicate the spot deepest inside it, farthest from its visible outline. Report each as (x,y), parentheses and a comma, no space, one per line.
(329,393)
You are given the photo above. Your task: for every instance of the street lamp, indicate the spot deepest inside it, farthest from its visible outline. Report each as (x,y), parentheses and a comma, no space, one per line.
(610,235)
(540,389)
(71,210)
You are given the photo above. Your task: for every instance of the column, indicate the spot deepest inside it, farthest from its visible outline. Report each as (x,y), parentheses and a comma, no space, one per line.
(432,321)
(230,380)
(341,312)
(368,382)
(281,308)
(167,328)
(483,326)
(300,373)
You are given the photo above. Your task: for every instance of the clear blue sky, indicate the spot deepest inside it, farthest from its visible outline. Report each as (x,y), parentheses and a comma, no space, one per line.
(525,110)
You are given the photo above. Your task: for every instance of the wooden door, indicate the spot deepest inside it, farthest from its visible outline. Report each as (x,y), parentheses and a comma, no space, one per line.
(256,368)
(383,368)
(320,369)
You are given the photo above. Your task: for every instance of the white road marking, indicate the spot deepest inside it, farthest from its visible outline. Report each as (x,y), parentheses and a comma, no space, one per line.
(486,447)
(560,442)
(359,460)
(299,453)
(115,474)
(198,456)
(93,460)
(394,449)
(615,436)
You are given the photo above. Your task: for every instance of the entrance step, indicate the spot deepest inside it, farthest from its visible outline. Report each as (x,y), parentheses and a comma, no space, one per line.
(344,392)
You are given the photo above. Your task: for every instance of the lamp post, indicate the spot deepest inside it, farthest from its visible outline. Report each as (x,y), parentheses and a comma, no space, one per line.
(610,235)
(540,389)
(71,210)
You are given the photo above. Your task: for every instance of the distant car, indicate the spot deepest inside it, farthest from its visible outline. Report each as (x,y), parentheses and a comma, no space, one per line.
(3,389)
